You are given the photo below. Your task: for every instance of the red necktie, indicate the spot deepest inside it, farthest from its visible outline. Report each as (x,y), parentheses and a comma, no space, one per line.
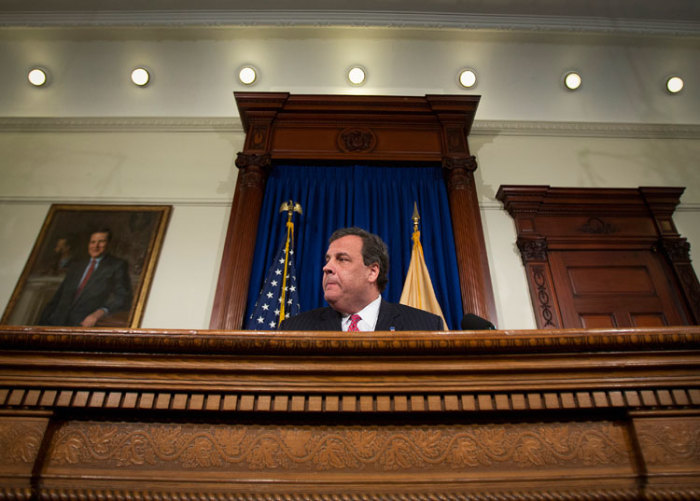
(353,323)
(89,271)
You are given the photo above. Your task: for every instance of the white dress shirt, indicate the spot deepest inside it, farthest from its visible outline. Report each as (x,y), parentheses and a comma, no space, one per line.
(369,314)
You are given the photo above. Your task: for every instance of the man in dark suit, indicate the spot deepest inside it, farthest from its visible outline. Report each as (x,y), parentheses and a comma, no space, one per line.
(92,288)
(354,276)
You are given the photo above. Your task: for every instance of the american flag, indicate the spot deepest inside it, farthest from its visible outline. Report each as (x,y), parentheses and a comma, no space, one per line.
(266,312)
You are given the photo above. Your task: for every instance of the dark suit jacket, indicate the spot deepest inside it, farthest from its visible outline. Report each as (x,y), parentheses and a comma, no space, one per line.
(109,287)
(391,315)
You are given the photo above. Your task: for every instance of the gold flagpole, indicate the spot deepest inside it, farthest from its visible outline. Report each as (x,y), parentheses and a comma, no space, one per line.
(418,288)
(291,207)
(416,240)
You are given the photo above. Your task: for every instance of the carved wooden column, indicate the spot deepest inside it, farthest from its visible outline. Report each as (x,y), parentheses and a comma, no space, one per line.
(237,260)
(459,166)
(533,250)
(476,287)
(677,251)
(662,202)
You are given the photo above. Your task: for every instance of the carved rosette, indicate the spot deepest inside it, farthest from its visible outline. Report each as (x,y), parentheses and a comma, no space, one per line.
(357,140)
(596,226)
(532,249)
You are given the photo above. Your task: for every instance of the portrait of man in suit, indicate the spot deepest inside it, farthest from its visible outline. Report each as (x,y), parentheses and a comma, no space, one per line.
(92,288)
(354,276)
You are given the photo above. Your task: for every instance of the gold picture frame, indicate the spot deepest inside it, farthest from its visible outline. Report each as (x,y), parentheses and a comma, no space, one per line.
(135,236)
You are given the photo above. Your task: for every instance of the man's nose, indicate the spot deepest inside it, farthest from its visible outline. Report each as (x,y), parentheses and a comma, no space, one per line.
(327,268)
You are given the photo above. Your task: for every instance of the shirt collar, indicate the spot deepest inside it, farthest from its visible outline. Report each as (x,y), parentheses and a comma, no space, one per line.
(369,314)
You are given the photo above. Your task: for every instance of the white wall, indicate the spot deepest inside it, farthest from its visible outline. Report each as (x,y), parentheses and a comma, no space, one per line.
(194,172)
(529,130)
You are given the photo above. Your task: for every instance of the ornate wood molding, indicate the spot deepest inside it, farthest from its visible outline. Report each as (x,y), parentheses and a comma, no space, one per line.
(201,415)
(357,139)
(603,219)
(272,343)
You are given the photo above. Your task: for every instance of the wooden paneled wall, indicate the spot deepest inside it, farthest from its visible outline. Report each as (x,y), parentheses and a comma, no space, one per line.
(604,257)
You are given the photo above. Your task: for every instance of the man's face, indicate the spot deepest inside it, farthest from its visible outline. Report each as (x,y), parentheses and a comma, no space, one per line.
(98,244)
(61,246)
(348,284)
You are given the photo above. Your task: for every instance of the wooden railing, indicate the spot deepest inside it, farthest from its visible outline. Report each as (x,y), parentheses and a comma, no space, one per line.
(167,414)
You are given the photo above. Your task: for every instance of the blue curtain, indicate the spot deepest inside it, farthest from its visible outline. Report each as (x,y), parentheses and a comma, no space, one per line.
(378,199)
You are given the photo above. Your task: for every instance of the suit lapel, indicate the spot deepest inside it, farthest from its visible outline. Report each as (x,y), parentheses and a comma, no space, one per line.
(330,320)
(102,269)
(388,317)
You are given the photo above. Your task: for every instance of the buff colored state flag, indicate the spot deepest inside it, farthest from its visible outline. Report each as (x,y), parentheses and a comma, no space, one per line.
(418,288)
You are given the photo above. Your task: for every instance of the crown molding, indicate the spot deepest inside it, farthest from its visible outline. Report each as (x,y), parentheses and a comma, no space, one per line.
(353,18)
(214,201)
(120,124)
(485,204)
(233,125)
(495,205)
(586,129)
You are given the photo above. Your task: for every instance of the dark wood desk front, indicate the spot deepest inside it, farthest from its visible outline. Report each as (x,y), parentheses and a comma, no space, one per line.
(108,414)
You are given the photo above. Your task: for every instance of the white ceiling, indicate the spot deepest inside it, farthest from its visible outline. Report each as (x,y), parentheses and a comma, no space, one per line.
(648,16)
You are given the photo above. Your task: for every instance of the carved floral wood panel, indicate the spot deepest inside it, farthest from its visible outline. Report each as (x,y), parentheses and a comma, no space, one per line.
(20,442)
(669,442)
(272,451)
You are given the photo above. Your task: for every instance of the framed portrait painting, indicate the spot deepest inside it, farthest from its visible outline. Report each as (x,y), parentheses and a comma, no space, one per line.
(91,265)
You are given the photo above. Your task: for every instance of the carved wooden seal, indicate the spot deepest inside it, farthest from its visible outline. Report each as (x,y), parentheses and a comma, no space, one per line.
(357,139)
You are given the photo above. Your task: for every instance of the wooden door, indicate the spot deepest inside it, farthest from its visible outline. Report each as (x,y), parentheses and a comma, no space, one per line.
(614,288)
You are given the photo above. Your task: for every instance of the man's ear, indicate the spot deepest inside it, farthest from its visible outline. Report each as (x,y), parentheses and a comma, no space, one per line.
(373,272)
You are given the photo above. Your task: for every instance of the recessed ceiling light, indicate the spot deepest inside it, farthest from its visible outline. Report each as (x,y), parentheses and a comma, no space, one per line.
(37,77)
(467,78)
(674,84)
(140,76)
(247,75)
(572,80)
(357,75)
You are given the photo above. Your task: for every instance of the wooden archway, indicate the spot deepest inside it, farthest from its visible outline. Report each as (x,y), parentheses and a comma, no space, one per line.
(281,126)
